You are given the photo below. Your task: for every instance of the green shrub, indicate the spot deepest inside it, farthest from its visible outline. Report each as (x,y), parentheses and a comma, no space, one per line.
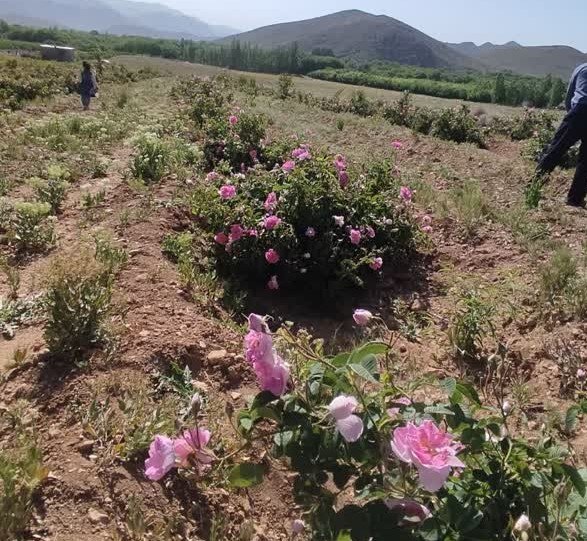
(322,260)
(21,473)
(32,229)
(470,325)
(401,111)
(558,275)
(524,126)
(79,290)
(207,99)
(359,448)
(237,146)
(285,86)
(152,161)
(457,125)
(53,188)
(361,105)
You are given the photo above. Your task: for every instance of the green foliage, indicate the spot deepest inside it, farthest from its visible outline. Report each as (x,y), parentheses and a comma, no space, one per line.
(79,291)
(21,473)
(469,206)
(457,125)
(31,228)
(153,159)
(524,126)
(470,325)
(504,88)
(285,86)
(53,188)
(533,192)
(126,422)
(346,489)
(309,197)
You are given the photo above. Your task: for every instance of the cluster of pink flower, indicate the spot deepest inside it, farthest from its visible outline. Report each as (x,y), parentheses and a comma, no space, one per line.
(340,166)
(301,153)
(271,370)
(427,223)
(237,232)
(406,194)
(431,450)
(189,449)
(397,145)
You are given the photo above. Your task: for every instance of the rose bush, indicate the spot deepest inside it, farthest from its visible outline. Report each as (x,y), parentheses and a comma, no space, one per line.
(374,461)
(306,222)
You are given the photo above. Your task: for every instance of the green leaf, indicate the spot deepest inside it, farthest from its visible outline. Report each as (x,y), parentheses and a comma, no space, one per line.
(344,536)
(265,412)
(468,391)
(362,372)
(571,419)
(449,386)
(340,360)
(246,423)
(246,475)
(576,479)
(372,348)
(438,410)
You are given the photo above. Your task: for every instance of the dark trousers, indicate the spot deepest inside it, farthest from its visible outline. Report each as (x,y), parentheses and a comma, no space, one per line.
(572,129)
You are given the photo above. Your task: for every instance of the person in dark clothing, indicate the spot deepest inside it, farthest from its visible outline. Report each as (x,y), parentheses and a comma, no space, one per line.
(572,130)
(88,87)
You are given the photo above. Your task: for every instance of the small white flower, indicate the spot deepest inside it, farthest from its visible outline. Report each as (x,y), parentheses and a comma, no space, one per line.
(506,407)
(307,255)
(303,271)
(523,524)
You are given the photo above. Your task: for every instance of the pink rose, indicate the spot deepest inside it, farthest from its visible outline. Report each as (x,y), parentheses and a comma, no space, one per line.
(288,166)
(302,153)
(310,232)
(362,317)
(232,119)
(273,284)
(411,512)
(271,371)
(340,163)
(271,222)
(228,191)
(406,194)
(236,233)
(271,202)
(271,256)
(427,229)
(190,448)
(338,220)
(370,232)
(212,176)
(431,450)
(349,426)
(397,145)
(355,236)
(376,264)
(426,219)
(161,458)
(221,238)
(403,401)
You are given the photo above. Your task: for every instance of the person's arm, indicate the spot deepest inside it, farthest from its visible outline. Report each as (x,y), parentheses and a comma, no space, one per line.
(570,93)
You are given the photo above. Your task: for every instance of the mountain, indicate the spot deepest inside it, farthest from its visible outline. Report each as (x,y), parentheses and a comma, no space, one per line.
(114,16)
(557,60)
(362,36)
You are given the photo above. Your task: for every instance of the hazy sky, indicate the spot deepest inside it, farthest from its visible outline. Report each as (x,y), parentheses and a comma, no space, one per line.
(531,22)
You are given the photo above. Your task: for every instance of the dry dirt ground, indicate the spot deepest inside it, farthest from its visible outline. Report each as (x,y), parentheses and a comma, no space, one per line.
(90,493)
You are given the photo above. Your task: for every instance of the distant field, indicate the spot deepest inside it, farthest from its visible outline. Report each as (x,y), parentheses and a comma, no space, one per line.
(305,84)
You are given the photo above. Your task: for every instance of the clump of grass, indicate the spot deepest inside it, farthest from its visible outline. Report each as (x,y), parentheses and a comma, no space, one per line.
(31,228)
(12,277)
(340,124)
(472,322)
(21,473)
(79,291)
(125,422)
(557,275)
(52,189)
(109,254)
(527,232)
(152,160)
(285,86)
(470,207)
(533,192)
